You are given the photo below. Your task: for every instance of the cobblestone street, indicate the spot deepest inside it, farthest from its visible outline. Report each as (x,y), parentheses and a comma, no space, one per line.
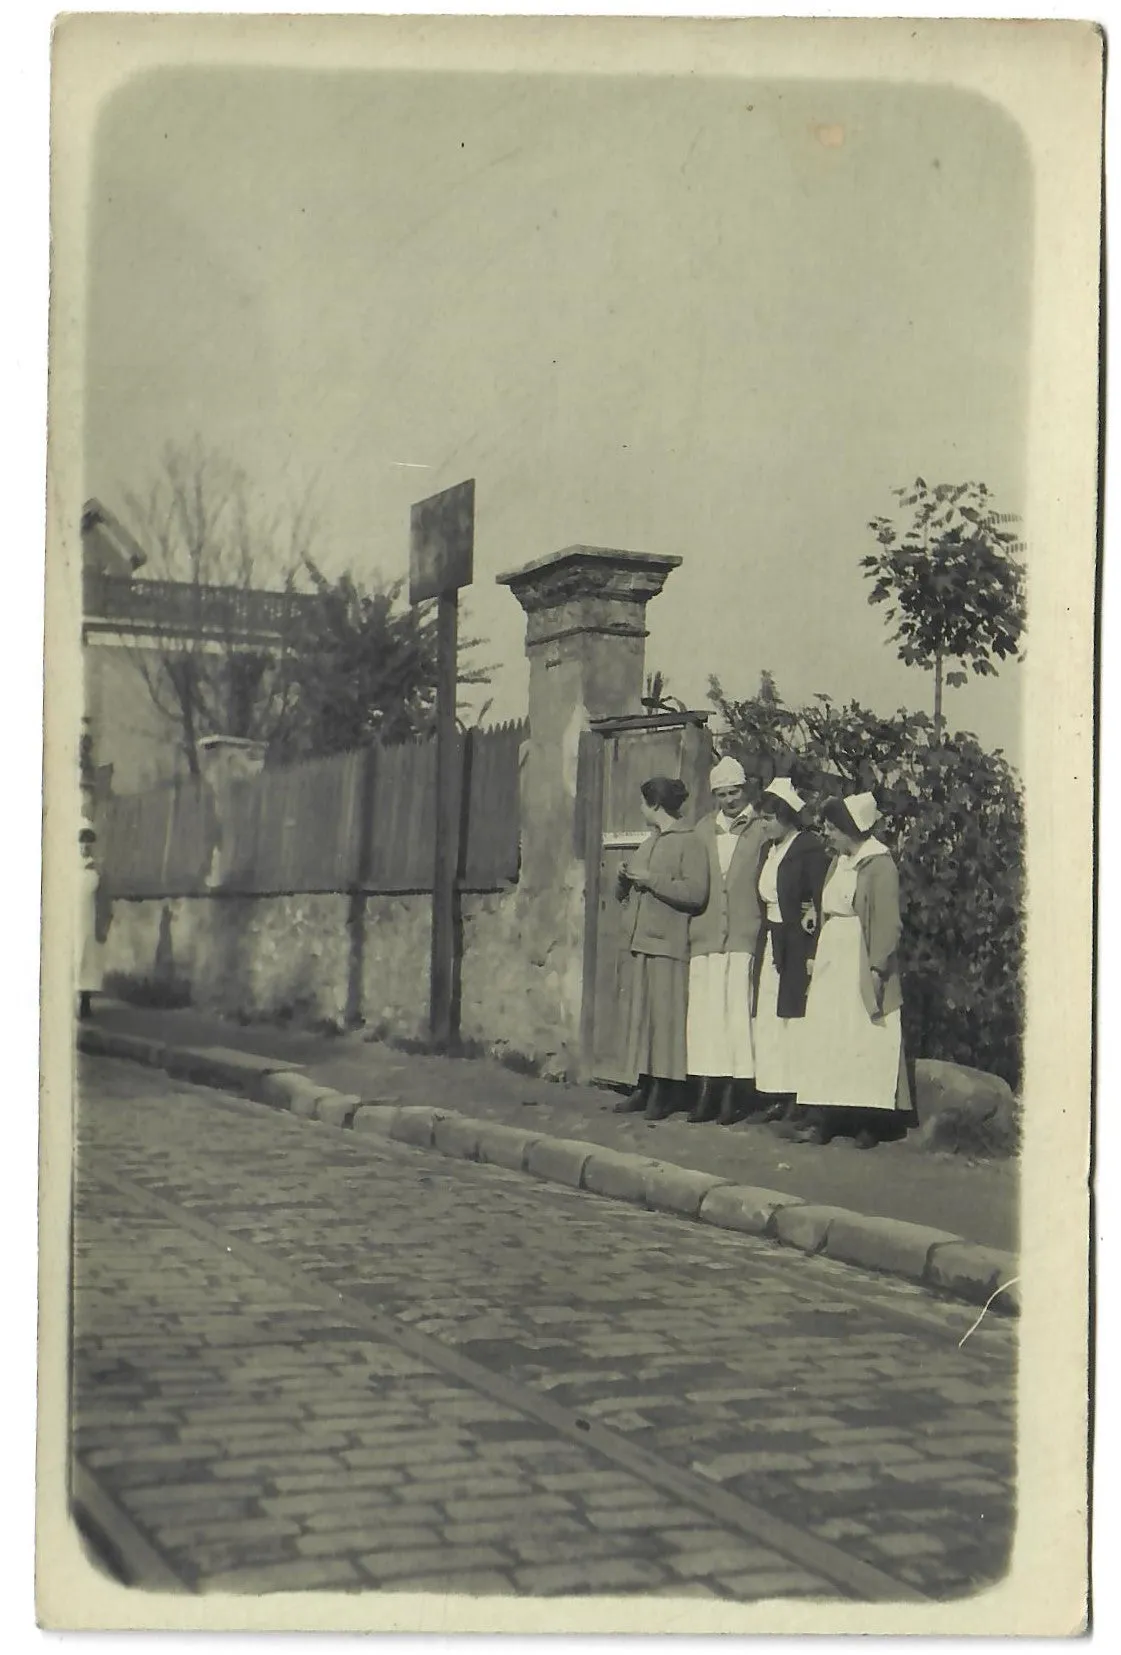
(305,1359)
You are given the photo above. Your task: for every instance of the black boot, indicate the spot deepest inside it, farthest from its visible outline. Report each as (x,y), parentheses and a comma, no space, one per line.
(730,1110)
(663,1100)
(83,1005)
(634,1101)
(707,1105)
(777,1110)
(819,1127)
(745,1100)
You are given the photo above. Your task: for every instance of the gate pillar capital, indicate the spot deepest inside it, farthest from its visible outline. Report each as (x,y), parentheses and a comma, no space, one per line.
(585,612)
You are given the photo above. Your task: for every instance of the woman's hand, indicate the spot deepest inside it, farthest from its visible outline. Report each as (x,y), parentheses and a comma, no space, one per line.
(809,919)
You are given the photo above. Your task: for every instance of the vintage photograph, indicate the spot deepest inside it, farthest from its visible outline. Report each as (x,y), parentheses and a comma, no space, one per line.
(550,583)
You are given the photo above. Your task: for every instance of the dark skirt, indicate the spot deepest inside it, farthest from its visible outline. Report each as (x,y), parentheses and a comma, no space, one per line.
(656,1023)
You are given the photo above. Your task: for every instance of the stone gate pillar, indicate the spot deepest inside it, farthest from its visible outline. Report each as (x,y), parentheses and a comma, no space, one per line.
(586,643)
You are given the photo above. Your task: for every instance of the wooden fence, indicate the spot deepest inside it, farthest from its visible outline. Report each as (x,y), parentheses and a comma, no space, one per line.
(361,821)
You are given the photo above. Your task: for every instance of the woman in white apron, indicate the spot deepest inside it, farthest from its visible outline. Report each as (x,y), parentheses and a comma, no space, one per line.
(91,964)
(851,1066)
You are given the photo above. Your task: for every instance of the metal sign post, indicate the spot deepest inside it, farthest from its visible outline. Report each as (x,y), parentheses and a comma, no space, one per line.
(440,562)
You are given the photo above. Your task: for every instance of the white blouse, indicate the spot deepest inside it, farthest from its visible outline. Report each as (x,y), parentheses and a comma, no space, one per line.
(840,888)
(727,837)
(768,878)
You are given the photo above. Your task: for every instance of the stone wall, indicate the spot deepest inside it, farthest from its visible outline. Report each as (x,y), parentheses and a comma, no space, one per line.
(337,959)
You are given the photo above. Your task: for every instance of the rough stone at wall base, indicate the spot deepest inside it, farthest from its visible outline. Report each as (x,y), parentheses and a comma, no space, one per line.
(964,1110)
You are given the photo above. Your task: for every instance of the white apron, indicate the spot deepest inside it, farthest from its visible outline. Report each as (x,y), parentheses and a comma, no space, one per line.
(718,1031)
(847,1060)
(91,968)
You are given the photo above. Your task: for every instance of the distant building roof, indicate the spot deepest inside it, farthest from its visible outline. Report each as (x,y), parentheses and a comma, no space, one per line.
(107,546)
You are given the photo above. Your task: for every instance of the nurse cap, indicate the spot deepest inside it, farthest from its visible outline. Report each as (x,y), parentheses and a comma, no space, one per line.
(783,788)
(864,811)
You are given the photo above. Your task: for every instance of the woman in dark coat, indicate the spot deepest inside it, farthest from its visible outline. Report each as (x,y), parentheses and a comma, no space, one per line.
(791,877)
(665,881)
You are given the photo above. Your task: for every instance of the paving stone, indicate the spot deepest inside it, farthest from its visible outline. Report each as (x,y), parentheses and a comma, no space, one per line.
(838,1482)
(367,1477)
(420,1561)
(471,1582)
(777,1584)
(467,1511)
(467,1485)
(294,1575)
(361,1535)
(858,1453)
(725,1467)
(909,1545)
(732,1555)
(609,1575)
(608,1519)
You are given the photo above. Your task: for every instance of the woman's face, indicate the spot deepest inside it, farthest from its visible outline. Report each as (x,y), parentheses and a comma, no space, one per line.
(841,844)
(651,815)
(773,828)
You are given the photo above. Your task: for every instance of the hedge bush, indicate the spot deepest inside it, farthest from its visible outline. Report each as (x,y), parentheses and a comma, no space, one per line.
(953,818)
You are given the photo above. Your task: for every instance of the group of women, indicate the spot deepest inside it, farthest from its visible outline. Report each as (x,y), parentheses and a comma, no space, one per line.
(821,1017)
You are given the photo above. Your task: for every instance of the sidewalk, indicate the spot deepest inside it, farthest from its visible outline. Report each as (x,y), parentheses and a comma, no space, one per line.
(977,1200)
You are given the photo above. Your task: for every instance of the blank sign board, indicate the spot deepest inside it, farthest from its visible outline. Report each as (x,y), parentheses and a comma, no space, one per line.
(442,542)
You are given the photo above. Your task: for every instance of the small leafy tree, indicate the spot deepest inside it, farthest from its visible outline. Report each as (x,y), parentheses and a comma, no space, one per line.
(952,580)
(365,669)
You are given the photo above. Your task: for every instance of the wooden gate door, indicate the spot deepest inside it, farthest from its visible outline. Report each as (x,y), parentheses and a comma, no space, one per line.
(623,753)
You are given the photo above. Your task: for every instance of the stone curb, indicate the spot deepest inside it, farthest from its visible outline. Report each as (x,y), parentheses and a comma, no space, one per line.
(931,1258)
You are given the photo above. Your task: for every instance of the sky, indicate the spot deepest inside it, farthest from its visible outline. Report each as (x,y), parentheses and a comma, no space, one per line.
(719,319)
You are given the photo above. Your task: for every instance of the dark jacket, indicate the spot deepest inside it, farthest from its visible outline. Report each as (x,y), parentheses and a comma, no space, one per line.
(801,875)
(729,921)
(675,865)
